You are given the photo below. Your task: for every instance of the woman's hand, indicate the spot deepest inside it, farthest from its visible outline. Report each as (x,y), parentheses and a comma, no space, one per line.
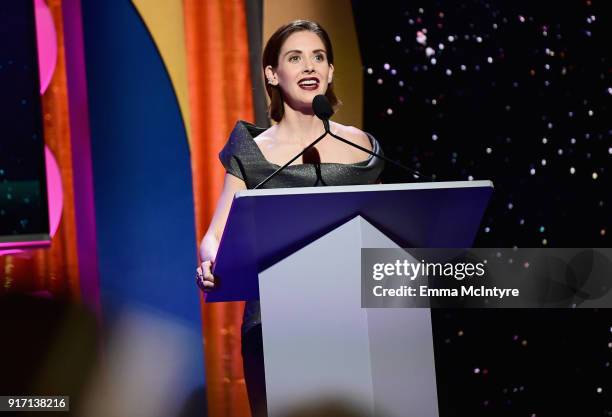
(210,242)
(208,252)
(205,278)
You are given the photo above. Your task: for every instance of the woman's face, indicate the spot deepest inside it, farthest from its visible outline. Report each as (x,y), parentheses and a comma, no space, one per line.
(303,70)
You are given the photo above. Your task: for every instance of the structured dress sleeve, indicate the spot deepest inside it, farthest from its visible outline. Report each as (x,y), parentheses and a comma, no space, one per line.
(230,155)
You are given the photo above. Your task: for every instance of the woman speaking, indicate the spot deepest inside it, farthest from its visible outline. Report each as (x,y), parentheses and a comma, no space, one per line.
(298,63)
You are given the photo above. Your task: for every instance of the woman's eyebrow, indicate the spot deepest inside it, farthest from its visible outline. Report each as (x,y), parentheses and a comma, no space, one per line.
(292,51)
(299,52)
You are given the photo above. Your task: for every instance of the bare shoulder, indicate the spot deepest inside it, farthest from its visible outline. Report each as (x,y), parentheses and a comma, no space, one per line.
(266,140)
(266,136)
(353,134)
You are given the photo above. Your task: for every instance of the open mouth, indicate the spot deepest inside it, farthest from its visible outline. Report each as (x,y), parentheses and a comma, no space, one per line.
(309,84)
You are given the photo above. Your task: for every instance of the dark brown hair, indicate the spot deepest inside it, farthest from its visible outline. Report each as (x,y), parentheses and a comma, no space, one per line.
(270,57)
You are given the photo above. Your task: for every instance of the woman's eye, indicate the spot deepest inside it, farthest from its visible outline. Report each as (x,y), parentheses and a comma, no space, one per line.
(320,57)
(294,58)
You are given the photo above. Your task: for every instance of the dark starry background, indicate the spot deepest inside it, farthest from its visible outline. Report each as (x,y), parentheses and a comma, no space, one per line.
(517,92)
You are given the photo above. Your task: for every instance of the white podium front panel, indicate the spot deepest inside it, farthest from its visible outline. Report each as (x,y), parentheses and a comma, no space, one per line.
(319,343)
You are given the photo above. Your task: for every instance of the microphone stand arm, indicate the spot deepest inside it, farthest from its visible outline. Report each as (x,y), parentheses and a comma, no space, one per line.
(361,148)
(416,174)
(290,161)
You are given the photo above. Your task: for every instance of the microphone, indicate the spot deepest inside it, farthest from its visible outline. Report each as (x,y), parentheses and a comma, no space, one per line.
(323,110)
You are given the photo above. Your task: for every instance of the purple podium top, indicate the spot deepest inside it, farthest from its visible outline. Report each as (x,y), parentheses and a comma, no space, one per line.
(265,226)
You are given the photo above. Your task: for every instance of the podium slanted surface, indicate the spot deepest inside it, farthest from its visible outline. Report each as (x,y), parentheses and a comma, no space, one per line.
(265,226)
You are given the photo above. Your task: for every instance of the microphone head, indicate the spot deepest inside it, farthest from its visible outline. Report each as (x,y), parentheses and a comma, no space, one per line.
(321,107)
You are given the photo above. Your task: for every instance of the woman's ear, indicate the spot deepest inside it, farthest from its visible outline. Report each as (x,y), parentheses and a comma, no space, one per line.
(271,76)
(330,76)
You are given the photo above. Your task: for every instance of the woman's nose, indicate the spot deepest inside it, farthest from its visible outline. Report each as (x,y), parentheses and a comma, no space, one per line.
(308,66)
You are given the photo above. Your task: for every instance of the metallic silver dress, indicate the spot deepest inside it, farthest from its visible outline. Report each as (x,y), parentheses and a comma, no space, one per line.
(242,158)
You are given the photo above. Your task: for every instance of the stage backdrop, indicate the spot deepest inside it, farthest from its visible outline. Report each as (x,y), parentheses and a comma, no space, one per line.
(53,272)
(220,94)
(142,179)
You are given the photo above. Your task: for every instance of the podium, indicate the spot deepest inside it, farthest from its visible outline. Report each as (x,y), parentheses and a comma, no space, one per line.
(298,250)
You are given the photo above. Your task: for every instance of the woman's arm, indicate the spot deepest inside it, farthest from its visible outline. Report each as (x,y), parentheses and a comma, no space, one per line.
(210,242)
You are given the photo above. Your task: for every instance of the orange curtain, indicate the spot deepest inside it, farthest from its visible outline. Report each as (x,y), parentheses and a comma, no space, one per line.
(219,95)
(55,269)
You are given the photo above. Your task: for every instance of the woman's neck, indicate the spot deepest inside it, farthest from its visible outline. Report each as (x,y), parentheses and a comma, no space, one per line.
(299,126)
